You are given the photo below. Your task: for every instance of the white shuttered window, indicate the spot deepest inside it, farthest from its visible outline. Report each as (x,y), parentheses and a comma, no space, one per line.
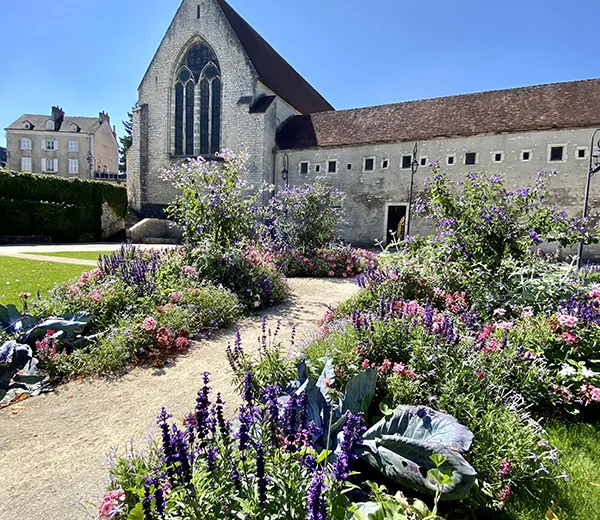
(73,165)
(26,164)
(49,165)
(25,144)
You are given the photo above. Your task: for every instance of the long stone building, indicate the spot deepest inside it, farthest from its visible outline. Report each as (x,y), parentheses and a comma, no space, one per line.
(214,82)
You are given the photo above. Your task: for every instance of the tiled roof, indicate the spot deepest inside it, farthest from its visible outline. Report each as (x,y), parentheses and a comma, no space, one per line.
(276,73)
(558,105)
(88,125)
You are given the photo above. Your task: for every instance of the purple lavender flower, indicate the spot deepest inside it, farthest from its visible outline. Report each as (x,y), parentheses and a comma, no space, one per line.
(351,435)
(202,411)
(260,474)
(243,433)
(316,508)
(248,394)
(271,394)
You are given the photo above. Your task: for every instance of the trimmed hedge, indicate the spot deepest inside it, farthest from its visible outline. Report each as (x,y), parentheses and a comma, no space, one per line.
(66,209)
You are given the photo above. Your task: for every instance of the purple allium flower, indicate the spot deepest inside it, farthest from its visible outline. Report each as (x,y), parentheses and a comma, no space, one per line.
(316,508)
(351,435)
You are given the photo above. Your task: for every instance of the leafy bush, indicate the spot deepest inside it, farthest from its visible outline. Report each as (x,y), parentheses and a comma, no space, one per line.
(303,218)
(49,204)
(257,284)
(213,203)
(485,222)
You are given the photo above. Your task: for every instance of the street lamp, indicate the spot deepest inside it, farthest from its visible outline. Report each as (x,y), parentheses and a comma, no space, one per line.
(285,173)
(594,167)
(414,166)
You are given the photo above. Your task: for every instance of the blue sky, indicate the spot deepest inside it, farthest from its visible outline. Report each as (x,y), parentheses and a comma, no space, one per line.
(89,56)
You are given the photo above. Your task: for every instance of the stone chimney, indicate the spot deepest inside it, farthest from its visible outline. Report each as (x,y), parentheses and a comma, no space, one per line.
(104,117)
(57,114)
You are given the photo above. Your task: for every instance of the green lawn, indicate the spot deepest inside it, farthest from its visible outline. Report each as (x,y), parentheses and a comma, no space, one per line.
(82,255)
(19,275)
(579,498)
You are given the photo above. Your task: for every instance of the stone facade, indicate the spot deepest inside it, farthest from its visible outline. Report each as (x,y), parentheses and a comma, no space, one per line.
(269,108)
(369,194)
(62,145)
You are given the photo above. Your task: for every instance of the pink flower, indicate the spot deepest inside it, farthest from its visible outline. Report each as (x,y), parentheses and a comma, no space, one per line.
(84,278)
(527,313)
(505,494)
(594,293)
(175,296)
(149,324)
(330,273)
(393,276)
(96,296)
(569,338)
(399,368)
(567,321)
(499,312)
(95,272)
(437,291)
(182,343)
(505,467)
(385,366)
(505,325)
(188,270)
(365,364)
(111,504)
(590,393)
(480,375)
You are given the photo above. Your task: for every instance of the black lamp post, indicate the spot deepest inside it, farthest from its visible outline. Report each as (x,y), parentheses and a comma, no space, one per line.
(594,167)
(285,173)
(414,166)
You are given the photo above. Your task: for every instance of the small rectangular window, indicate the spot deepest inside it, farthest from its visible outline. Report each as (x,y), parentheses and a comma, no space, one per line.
(73,146)
(406,160)
(369,164)
(25,144)
(49,165)
(557,153)
(51,145)
(332,166)
(470,157)
(26,164)
(73,166)
(349,166)
(317,168)
(526,155)
(385,163)
(304,167)
(450,159)
(423,161)
(581,153)
(198,11)
(497,157)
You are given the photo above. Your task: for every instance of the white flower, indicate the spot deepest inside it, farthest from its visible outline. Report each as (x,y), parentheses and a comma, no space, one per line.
(568,370)
(586,372)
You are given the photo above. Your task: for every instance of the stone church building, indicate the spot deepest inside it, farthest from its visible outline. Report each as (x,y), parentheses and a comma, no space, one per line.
(215,83)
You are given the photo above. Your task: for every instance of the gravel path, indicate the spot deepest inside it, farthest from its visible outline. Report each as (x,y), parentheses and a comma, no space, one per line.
(53,446)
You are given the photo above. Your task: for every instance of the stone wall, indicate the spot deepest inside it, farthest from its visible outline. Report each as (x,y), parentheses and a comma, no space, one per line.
(368,194)
(111,223)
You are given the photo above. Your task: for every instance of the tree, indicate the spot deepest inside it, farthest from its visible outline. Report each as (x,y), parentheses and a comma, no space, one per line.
(125,142)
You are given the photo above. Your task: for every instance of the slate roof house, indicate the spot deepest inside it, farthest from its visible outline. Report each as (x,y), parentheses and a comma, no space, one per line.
(214,82)
(69,146)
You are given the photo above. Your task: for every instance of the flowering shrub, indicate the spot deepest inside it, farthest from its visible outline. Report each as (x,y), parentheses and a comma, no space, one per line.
(257,284)
(264,467)
(213,201)
(485,222)
(334,261)
(303,217)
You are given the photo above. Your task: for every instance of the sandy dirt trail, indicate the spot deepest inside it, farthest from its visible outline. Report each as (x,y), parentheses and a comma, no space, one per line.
(53,447)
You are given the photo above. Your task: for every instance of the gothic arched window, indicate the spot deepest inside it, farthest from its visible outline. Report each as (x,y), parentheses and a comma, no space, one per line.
(198,103)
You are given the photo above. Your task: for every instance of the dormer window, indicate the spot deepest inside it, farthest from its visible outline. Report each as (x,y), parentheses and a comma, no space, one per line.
(73,128)
(27,125)
(49,124)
